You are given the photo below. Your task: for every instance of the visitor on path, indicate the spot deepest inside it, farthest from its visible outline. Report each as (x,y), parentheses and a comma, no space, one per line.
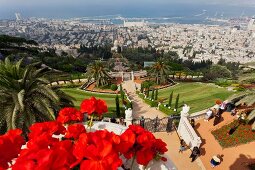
(230,106)
(194,154)
(142,121)
(192,123)
(233,112)
(217,118)
(169,125)
(122,121)
(182,146)
(215,161)
(208,115)
(113,120)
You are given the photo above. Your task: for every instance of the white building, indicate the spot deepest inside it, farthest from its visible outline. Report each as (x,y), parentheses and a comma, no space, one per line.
(251,25)
(134,24)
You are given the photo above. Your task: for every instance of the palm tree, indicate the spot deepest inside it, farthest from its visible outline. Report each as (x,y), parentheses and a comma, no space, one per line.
(160,70)
(26,97)
(97,71)
(247,97)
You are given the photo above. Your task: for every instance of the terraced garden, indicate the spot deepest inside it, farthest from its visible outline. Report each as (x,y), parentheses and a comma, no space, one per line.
(198,96)
(80,95)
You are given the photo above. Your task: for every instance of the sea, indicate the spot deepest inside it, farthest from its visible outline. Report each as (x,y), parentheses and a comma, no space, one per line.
(184,13)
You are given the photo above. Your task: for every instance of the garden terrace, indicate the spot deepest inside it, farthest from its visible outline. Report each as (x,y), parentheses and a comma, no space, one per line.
(80,95)
(198,96)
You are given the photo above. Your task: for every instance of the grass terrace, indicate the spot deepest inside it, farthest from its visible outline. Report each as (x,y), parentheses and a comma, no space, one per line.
(198,96)
(80,95)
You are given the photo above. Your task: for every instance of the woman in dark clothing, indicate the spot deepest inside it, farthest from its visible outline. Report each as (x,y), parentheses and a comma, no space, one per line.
(217,118)
(195,153)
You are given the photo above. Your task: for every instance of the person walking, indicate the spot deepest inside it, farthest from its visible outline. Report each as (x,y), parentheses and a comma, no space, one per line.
(217,118)
(215,161)
(208,115)
(194,154)
(182,146)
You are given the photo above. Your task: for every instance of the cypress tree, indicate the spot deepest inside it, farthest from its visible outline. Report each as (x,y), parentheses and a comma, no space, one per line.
(156,95)
(147,92)
(152,94)
(121,93)
(170,99)
(117,106)
(176,102)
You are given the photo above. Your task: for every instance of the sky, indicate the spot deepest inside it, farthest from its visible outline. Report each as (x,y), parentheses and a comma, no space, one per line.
(72,8)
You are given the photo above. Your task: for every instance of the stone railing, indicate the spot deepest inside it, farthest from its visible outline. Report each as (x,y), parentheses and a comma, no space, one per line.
(186,131)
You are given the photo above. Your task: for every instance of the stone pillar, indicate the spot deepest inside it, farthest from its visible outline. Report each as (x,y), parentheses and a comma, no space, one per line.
(132,76)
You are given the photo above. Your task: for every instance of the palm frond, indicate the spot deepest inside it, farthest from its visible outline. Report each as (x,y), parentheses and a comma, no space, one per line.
(251,116)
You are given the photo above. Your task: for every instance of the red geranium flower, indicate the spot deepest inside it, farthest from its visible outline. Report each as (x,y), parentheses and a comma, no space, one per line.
(69,114)
(95,151)
(93,106)
(49,128)
(57,158)
(74,131)
(127,140)
(100,156)
(10,146)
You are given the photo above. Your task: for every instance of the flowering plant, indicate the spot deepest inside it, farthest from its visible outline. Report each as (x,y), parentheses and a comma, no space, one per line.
(69,114)
(93,107)
(51,145)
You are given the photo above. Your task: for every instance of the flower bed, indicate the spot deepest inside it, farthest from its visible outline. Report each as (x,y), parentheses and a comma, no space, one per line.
(242,135)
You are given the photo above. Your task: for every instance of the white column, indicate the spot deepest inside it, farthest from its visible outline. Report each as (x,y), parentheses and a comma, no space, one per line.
(128,116)
(132,75)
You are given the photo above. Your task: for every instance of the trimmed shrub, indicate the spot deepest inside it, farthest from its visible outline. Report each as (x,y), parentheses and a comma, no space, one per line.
(177,102)
(152,94)
(170,99)
(117,106)
(156,95)
(114,87)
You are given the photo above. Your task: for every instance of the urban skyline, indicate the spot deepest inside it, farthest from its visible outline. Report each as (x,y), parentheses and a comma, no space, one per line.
(142,8)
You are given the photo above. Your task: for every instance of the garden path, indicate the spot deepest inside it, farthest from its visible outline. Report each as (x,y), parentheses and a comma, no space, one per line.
(181,160)
(139,107)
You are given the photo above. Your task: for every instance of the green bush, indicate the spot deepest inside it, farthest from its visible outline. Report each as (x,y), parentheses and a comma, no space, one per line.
(114,87)
(240,88)
(165,110)
(223,82)
(151,103)
(68,85)
(129,105)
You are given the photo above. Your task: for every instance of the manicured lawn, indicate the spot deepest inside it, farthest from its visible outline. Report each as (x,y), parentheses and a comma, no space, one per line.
(80,95)
(243,134)
(198,96)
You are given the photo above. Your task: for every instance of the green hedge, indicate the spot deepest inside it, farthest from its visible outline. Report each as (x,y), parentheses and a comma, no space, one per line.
(148,101)
(68,85)
(151,103)
(167,111)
